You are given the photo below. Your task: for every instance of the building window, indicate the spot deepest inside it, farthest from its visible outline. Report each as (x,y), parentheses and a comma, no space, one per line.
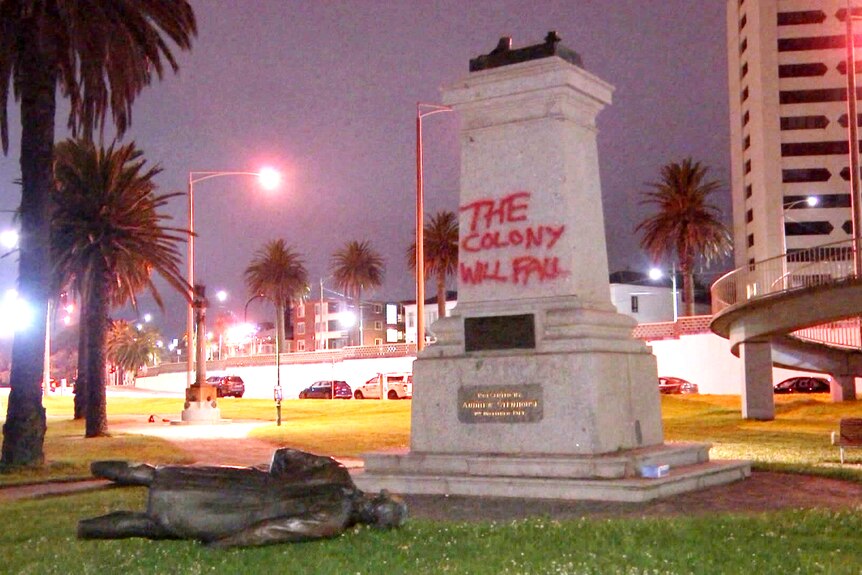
(744,72)
(745,94)
(750,240)
(378,341)
(300,328)
(805,175)
(300,345)
(634,304)
(332,306)
(743,46)
(804,122)
(300,310)
(812,96)
(745,118)
(801,17)
(814,43)
(746,143)
(743,21)
(378,308)
(748,191)
(317,309)
(747,166)
(808,228)
(332,325)
(814,149)
(378,325)
(749,216)
(801,70)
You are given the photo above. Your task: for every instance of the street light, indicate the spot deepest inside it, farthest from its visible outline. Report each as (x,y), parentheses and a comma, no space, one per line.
(810,202)
(422,110)
(853,136)
(9,239)
(269,179)
(657,274)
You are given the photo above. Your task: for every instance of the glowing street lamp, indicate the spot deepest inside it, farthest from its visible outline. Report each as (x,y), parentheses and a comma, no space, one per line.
(656,274)
(9,239)
(269,179)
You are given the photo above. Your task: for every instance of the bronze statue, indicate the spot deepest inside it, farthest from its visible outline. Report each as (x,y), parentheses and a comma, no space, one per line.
(301,497)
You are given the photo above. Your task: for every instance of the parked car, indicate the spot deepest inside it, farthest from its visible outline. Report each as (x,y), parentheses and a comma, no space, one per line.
(805,384)
(323,390)
(227,385)
(675,385)
(395,386)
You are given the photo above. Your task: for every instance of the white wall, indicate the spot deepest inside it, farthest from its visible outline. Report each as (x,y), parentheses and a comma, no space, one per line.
(705,359)
(260,380)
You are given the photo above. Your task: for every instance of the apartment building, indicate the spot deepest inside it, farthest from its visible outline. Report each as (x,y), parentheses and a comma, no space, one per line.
(333,323)
(787,64)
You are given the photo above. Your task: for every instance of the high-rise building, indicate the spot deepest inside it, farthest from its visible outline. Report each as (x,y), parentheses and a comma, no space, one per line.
(787,63)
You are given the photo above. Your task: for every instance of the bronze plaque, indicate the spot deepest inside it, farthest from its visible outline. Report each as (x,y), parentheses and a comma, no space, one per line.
(499,332)
(500,403)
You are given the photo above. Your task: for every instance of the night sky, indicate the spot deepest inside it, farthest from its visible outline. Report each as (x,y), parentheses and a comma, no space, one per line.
(326,92)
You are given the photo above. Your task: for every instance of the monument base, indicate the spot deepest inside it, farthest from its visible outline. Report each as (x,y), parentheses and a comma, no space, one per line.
(201,406)
(616,477)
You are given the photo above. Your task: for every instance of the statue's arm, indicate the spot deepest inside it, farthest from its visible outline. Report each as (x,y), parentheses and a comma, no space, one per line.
(123,472)
(287,529)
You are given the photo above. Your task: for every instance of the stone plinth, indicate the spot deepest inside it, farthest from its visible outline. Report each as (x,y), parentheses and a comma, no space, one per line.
(535,386)
(201,405)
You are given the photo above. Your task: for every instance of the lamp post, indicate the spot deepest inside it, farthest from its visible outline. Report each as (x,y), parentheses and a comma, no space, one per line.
(810,201)
(269,179)
(656,274)
(422,110)
(853,136)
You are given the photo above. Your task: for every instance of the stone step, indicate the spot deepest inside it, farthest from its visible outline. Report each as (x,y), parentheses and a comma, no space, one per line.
(679,480)
(613,466)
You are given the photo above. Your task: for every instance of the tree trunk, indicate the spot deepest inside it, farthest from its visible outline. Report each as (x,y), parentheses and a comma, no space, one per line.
(24,430)
(279,324)
(81,382)
(97,322)
(441,292)
(359,317)
(688,292)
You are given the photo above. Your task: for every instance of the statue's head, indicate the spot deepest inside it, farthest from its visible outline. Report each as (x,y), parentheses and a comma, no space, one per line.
(384,510)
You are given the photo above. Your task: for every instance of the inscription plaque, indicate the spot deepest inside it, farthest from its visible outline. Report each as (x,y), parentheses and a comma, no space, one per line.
(499,332)
(500,403)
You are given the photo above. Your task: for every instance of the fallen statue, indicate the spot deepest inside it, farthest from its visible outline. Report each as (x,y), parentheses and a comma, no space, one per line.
(301,497)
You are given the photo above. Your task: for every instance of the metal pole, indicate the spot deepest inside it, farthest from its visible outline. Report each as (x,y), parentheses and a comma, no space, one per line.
(673,289)
(420,239)
(46,364)
(190,318)
(852,121)
(322,342)
(278,372)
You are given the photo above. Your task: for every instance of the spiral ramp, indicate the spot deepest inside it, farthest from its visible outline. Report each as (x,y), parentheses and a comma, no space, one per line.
(798,311)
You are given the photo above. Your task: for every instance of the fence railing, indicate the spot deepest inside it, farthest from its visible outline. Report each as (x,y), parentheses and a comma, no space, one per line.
(799,269)
(320,356)
(820,265)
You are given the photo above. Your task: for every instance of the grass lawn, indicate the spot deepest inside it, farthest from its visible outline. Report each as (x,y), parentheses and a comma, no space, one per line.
(37,536)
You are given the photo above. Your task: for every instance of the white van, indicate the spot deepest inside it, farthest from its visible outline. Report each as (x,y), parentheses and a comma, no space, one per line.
(395,386)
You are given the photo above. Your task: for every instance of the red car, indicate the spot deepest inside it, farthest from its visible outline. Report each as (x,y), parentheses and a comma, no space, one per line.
(676,385)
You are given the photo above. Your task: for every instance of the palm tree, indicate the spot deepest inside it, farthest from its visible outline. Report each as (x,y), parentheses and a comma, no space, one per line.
(99,53)
(686,224)
(278,272)
(107,239)
(130,348)
(441,253)
(355,267)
